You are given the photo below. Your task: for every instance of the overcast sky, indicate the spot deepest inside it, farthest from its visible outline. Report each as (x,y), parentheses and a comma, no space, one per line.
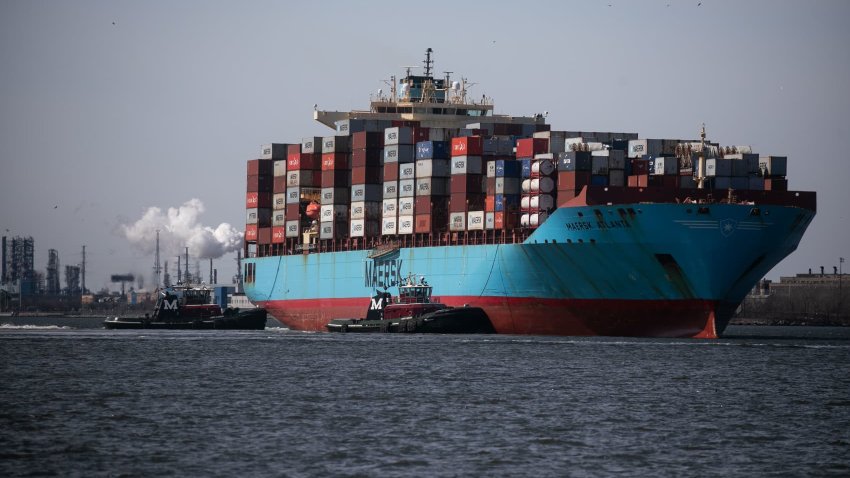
(109,109)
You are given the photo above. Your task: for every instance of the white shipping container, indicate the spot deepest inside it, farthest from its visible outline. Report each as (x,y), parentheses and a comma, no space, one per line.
(645,147)
(490,221)
(432,187)
(279,201)
(366,192)
(400,153)
(389,226)
(405,224)
(427,168)
(363,228)
(335,196)
(279,168)
(407,188)
(398,135)
(491,169)
(475,220)
(405,206)
(457,221)
(389,208)
(366,210)
(336,144)
(407,171)
(331,230)
(251,216)
(299,177)
(390,189)
(273,151)
(774,165)
(312,144)
(279,218)
(666,165)
(467,165)
(292,228)
(333,212)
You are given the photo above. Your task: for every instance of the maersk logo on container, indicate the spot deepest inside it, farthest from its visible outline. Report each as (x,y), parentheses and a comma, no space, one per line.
(383,274)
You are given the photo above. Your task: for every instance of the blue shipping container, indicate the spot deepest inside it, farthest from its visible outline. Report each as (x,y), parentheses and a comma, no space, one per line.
(506,201)
(526,168)
(507,168)
(432,150)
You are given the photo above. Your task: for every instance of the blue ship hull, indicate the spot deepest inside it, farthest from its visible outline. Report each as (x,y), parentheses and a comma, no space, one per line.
(631,269)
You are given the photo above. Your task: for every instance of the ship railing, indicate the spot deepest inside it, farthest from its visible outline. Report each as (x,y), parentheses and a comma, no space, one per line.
(382,245)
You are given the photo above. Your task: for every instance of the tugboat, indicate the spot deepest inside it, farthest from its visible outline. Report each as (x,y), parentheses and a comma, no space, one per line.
(188,307)
(414,311)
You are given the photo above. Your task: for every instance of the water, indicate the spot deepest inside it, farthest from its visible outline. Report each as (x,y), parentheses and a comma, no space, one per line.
(80,401)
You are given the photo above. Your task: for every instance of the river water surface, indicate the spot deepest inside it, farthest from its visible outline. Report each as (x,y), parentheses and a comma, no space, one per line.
(81,401)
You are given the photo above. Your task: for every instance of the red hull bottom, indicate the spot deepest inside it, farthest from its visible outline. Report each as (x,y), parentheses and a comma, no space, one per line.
(627,318)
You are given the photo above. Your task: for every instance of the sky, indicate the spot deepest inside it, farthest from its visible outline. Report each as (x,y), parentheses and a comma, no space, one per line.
(116,115)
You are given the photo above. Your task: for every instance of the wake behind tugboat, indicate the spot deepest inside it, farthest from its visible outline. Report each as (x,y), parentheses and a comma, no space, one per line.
(414,312)
(188,307)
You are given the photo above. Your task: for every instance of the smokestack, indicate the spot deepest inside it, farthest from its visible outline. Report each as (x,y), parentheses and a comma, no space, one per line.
(821,271)
(187,265)
(211,272)
(179,271)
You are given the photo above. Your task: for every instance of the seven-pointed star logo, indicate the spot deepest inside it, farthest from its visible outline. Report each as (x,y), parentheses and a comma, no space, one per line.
(727,227)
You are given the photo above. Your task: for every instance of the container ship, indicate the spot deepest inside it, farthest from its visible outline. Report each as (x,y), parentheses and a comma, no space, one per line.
(549,231)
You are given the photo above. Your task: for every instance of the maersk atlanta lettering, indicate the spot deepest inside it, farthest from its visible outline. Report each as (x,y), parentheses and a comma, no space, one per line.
(587,233)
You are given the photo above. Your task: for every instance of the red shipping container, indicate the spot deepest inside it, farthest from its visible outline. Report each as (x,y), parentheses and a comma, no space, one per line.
(293,210)
(261,183)
(293,149)
(333,161)
(431,205)
(367,139)
(279,184)
(391,172)
(505,220)
(427,223)
(303,161)
(251,233)
(573,180)
(258,199)
(421,134)
(337,178)
(638,181)
(467,183)
(260,166)
(528,147)
(491,186)
(463,202)
(467,146)
(264,235)
(278,234)
(367,175)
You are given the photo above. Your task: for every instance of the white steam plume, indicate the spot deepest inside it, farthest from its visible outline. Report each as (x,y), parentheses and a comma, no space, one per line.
(180,228)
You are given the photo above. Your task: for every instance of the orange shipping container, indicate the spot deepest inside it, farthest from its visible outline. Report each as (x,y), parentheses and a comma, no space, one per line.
(278,234)
(251,233)
(467,146)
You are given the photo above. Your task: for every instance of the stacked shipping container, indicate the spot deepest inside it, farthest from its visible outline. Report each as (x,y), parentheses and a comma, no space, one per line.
(404,179)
